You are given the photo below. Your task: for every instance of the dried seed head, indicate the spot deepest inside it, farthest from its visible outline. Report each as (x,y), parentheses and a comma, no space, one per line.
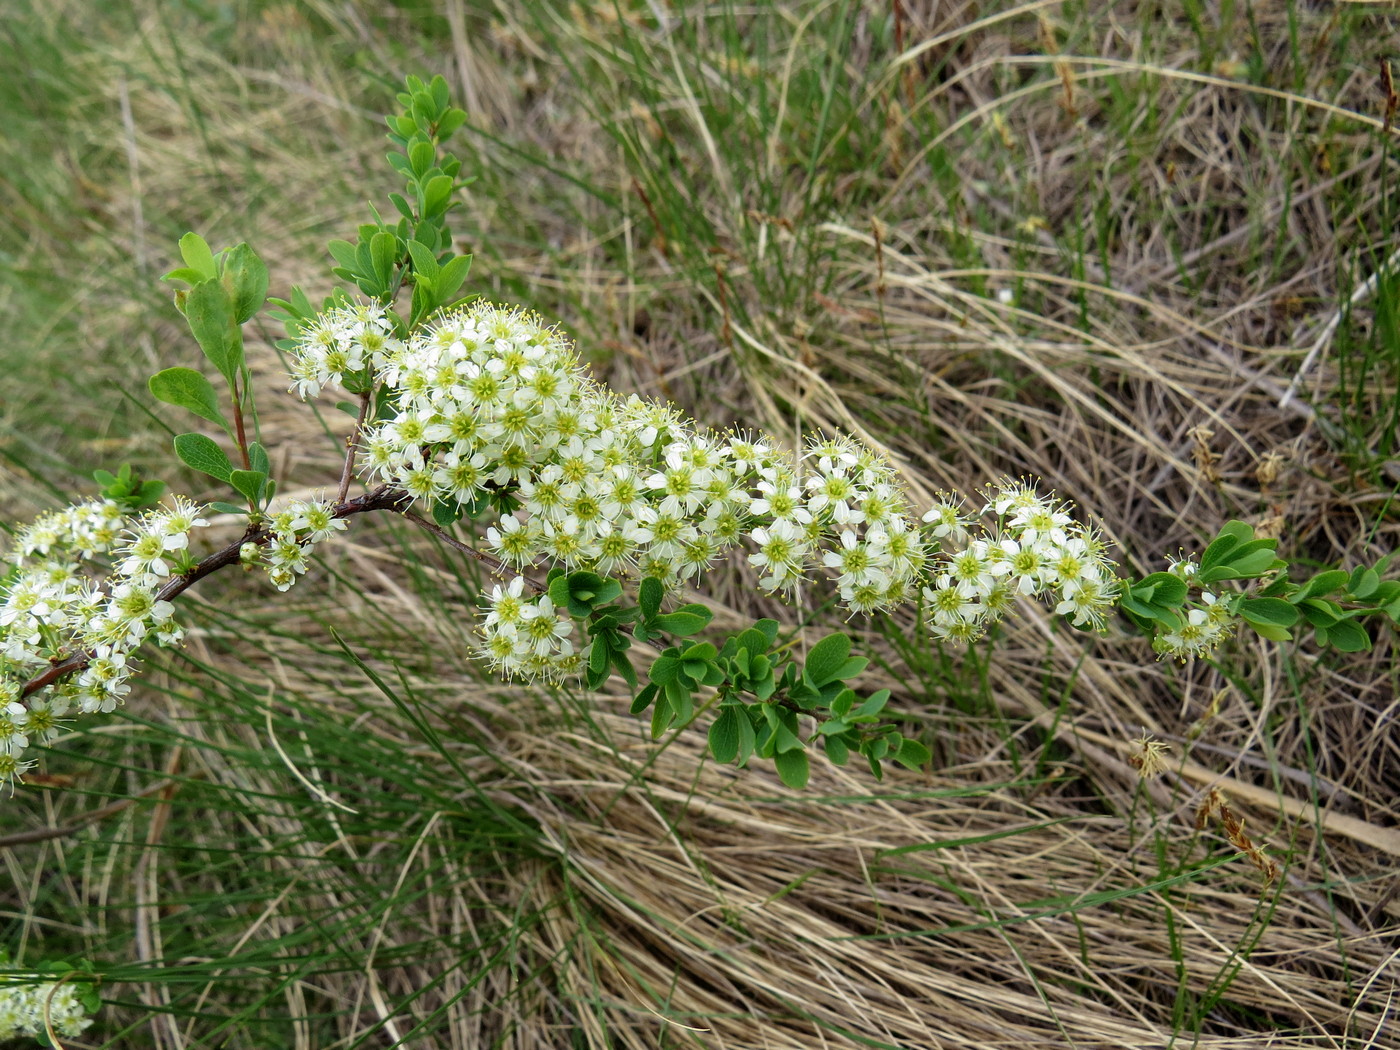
(1149,756)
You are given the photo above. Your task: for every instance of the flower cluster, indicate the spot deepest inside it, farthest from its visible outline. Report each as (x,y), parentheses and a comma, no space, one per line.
(56,603)
(526,637)
(33,1009)
(1203,626)
(489,407)
(1035,549)
(291,534)
(343,341)
(491,403)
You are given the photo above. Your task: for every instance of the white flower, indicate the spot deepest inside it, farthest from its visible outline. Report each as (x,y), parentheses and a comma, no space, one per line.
(506,605)
(1087,601)
(13,721)
(515,542)
(971,569)
(949,603)
(781,502)
(317,520)
(833,495)
(1195,634)
(860,563)
(1024,562)
(782,551)
(544,631)
(1040,522)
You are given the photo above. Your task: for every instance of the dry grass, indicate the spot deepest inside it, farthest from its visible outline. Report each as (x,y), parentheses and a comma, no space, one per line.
(1178,212)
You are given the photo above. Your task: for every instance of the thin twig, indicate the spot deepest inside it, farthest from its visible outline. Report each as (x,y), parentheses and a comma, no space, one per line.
(494,564)
(348,471)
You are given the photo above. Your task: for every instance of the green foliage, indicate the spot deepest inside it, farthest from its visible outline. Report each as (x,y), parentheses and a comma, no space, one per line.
(188,389)
(1330,602)
(203,454)
(417,248)
(129,489)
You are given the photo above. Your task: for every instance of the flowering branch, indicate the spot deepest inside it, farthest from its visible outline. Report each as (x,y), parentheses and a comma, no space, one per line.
(382,498)
(603,505)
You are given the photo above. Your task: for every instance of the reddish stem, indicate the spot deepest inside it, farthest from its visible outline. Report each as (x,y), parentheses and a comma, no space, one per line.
(348,471)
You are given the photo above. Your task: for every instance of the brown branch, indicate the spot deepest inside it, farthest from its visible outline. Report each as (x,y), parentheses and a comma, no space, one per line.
(238,423)
(348,471)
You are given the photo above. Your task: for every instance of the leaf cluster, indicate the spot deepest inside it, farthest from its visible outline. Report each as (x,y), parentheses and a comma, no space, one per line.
(226,291)
(1331,601)
(417,248)
(128,489)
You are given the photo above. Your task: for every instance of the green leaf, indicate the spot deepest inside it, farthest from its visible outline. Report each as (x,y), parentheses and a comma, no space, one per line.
(1255,563)
(248,482)
(450,121)
(664,669)
(424,262)
(446,514)
(1274,611)
(724,734)
(421,156)
(1272,632)
(751,641)
(852,667)
(210,314)
(662,715)
(1348,636)
(1161,588)
(622,663)
(685,621)
(384,250)
(827,658)
(437,87)
(188,389)
(194,249)
(1244,561)
(436,195)
(1221,546)
(1364,583)
(245,278)
(1323,583)
(1149,611)
(220,507)
(1320,612)
(257,458)
(186,274)
(343,252)
(793,768)
(203,454)
(451,277)
(912,754)
(874,703)
(649,596)
(600,655)
(644,699)
(836,750)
